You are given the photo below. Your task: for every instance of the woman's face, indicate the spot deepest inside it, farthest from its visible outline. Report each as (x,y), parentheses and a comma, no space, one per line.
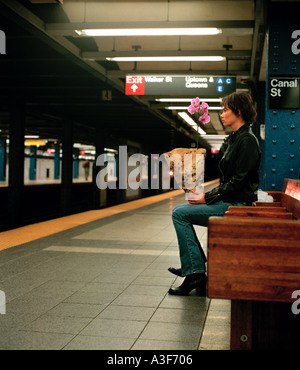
(228,117)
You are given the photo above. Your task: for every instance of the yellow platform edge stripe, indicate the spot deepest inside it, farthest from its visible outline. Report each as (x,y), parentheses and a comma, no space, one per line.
(25,234)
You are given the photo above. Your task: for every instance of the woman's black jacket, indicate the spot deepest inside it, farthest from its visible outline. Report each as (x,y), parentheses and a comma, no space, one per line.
(239,168)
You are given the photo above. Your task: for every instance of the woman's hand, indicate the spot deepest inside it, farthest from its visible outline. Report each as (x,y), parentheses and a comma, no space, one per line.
(196,198)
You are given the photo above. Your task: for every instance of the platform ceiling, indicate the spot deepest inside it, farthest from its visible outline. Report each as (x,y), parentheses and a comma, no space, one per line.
(58,75)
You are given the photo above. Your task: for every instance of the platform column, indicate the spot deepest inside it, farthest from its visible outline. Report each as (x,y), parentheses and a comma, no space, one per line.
(2,159)
(16,166)
(281,153)
(76,164)
(99,147)
(67,168)
(57,163)
(32,163)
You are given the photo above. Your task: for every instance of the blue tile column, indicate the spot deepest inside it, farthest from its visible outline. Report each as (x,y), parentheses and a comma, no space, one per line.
(32,163)
(76,163)
(57,164)
(282,144)
(2,159)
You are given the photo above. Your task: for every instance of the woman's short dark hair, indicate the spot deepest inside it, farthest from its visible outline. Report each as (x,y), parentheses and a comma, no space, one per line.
(241,101)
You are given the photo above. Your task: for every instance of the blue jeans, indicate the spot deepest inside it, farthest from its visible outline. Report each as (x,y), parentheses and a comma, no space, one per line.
(184,216)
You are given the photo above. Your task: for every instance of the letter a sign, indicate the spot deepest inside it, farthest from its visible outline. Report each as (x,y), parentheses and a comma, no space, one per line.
(135,85)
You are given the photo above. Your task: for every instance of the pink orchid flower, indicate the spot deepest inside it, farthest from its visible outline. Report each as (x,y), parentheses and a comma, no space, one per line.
(191,109)
(203,110)
(205,118)
(195,105)
(204,107)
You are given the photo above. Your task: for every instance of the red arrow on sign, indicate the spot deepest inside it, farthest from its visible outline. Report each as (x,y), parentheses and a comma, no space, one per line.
(135,85)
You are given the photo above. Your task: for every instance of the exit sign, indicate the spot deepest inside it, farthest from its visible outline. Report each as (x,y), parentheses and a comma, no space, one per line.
(135,85)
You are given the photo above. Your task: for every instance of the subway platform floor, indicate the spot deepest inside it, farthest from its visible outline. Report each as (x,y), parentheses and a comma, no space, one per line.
(101,283)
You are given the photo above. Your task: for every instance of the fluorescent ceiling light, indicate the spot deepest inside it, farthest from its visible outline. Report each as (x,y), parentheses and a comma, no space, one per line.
(215,108)
(170,58)
(149,32)
(186,108)
(176,108)
(191,122)
(185,100)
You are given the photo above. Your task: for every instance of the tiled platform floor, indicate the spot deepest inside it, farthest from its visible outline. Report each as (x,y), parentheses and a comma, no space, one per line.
(104,285)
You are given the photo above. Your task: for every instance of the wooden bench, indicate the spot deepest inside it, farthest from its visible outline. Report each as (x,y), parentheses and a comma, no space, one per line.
(284,202)
(254,260)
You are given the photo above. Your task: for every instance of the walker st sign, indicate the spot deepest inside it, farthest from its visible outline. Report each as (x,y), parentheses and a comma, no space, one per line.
(210,86)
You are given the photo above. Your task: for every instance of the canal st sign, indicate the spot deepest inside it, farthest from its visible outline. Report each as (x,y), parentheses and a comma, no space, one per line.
(210,86)
(284,92)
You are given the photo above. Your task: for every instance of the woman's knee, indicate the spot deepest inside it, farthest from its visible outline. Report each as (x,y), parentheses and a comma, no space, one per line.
(177,213)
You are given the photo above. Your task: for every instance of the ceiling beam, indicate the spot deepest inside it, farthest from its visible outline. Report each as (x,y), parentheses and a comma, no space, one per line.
(228,27)
(123,73)
(258,12)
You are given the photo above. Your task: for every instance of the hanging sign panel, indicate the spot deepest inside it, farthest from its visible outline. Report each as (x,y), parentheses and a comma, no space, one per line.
(210,86)
(284,92)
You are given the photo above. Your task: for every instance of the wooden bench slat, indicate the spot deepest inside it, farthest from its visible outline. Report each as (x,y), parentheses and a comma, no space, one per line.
(256,209)
(248,289)
(253,228)
(279,215)
(267,204)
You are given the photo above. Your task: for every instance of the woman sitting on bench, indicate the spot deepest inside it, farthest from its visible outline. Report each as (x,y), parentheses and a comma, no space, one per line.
(239,177)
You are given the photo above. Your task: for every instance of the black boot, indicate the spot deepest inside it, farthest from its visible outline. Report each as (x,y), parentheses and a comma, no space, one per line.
(175,271)
(193,281)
